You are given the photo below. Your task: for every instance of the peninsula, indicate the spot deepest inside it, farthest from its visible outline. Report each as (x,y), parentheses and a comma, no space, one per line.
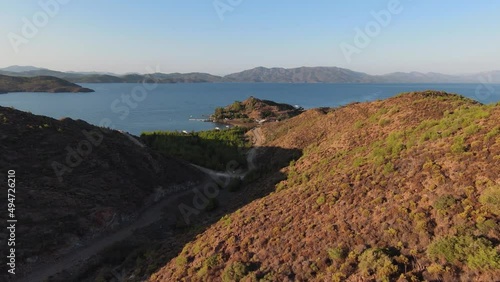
(48,84)
(254,111)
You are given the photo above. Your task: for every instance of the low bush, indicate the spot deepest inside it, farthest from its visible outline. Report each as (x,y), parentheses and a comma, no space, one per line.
(376,262)
(336,254)
(458,145)
(492,133)
(477,253)
(320,200)
(235,272)
(444,203)
(490,198)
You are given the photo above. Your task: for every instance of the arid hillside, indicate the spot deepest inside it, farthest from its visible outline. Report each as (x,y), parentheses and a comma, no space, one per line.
(76,182)
(404,189)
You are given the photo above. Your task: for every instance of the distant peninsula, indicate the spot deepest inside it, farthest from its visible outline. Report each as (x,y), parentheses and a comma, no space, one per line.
(254,111)
(48,84)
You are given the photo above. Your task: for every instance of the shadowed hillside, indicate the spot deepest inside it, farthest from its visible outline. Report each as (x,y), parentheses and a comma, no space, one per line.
(403,189)
(90,200)
(238,184)
(76,182)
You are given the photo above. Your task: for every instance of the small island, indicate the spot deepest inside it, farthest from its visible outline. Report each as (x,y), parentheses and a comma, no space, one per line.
(254,111)
(48,84)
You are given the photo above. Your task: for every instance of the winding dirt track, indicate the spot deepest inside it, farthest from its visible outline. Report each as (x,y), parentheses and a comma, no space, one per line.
(257,141)
(79,256)
(44,271)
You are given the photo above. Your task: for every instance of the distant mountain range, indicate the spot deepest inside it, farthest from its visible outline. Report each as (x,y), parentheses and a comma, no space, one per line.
(261,74)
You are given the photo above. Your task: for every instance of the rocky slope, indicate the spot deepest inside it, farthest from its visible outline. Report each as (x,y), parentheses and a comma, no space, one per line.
(38,84)
(404,189)
(76,182)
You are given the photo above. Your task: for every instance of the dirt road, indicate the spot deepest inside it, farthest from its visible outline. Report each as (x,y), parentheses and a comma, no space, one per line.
(44,271)
(78,256)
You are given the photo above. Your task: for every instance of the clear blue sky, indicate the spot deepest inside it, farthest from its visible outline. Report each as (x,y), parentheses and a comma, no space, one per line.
(188,35)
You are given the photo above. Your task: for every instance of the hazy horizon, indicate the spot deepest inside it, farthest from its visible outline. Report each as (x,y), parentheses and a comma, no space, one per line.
(224,74)
(222,37)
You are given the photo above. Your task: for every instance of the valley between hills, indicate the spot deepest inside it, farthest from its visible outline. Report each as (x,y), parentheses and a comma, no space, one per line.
(402,189)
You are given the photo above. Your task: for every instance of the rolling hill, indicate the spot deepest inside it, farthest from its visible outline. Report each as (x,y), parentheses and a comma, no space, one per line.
(404,189)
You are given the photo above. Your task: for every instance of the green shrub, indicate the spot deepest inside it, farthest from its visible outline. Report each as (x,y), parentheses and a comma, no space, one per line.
(382,111)
(471,129)
(209,263)
(478,112)
(494,132)
(269,277)
(234,272)
(358,162)
(377,262)
(213,261)
(435,268)
(320,200)
(236,106)
(337,253)
(384,122)
(477,253)
(280,186)
(490,198)
(444,203)
(388,168)
(226,220)
(458,145)
(181,261)
(358,124)
(486,226)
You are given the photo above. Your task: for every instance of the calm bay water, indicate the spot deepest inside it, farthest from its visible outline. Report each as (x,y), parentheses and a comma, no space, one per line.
(170,106)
